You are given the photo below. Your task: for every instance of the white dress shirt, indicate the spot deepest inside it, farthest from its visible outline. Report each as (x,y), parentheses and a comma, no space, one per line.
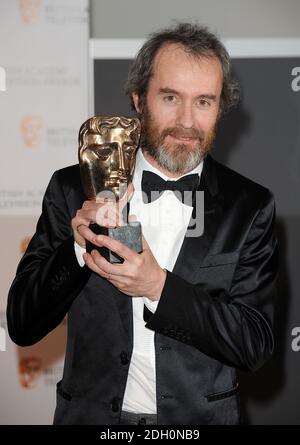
(164,222)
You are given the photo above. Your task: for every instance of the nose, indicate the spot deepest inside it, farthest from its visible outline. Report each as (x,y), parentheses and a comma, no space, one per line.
(185,117)
(121,158)
(118,161)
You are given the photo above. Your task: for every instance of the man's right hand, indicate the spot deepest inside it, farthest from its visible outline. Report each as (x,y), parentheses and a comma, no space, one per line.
(106,214)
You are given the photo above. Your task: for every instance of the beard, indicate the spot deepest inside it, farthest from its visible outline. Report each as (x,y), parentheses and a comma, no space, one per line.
(177,158)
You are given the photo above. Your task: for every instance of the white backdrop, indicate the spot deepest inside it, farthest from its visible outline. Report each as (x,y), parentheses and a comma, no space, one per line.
(44,61)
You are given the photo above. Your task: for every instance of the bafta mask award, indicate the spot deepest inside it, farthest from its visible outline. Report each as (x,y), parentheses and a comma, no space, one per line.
(107,148)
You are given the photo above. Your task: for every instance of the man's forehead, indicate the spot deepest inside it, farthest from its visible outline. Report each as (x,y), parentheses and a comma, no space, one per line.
(170,53)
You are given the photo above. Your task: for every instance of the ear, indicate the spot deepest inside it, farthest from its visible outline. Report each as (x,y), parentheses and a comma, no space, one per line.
(136,101)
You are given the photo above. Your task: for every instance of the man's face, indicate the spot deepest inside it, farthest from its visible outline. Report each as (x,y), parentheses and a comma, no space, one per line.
(182,108)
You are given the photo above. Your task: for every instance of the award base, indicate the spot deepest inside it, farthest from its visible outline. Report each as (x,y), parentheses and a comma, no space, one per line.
(130,234)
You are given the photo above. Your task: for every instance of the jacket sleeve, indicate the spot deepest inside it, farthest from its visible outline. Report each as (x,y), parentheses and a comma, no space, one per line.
(234,327)
(48,277)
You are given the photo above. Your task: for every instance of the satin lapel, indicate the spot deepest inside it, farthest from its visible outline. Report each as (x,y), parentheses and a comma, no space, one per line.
(194,249)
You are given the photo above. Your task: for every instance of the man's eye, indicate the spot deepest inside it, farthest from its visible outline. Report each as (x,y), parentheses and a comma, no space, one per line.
(203,103)
(170,99)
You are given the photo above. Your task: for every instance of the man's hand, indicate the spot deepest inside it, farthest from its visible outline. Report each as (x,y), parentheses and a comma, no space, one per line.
(139,275)
(106,214)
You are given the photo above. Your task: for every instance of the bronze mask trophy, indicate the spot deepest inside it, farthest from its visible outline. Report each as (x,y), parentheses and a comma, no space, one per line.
(107,148)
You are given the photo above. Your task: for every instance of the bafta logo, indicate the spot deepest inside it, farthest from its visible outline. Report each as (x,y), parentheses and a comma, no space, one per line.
(30,369)
(31,129)
(29,10)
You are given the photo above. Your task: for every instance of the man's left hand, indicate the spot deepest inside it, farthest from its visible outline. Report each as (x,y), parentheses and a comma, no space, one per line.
(139,274)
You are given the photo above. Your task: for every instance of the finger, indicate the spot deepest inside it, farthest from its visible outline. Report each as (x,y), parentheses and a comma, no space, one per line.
(89,261)
(76,224)
(116,246)
(144,243)
(132,218)
(79,219)
(117,272)
(99,214)
(88,214)
(110,218)
(95,205)
(127,196)
(86,233)
(122,205)
(122,287)
(89,204)
(130,191)
(117,281)
(114,270)
(108,215)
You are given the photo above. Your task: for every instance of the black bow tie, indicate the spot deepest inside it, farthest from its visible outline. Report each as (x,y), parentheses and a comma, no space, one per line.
(153,186)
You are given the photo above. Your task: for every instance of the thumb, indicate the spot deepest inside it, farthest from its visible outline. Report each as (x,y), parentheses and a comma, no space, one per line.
(130,191)
(132,218)
(123,202)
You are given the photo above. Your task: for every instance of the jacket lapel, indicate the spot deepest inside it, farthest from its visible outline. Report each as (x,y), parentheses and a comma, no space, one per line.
(194,249)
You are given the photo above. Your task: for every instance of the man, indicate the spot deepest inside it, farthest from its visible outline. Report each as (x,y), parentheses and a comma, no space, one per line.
(157,339)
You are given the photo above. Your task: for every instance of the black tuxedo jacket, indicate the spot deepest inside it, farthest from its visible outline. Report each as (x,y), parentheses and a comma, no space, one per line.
(215,313)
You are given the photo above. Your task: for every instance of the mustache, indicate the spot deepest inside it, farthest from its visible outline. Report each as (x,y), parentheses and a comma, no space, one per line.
(179,133)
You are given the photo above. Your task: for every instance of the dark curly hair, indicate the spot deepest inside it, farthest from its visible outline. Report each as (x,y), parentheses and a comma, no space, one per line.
(197,41)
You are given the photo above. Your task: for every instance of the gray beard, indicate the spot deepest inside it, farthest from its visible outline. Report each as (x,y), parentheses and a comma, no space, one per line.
(172,163)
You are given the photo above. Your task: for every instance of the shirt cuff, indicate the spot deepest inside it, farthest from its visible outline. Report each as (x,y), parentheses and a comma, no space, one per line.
(151,305)
(79,251)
